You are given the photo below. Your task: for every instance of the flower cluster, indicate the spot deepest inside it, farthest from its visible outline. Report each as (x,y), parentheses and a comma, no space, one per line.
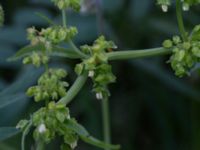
(50,122)
(185,53)
(1,16)
(46,38)
(97,66)
(36,58)
(58,34)
(51,35)
(185,4)
(64,4)
(50,86)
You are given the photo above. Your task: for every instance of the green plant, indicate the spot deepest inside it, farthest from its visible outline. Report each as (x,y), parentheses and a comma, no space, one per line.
(54,119)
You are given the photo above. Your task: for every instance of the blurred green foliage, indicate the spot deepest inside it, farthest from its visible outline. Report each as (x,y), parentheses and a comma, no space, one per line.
(150,107)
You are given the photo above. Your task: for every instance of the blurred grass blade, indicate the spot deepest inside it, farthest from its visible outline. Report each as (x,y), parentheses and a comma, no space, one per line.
(7,132)
(83,133)
(44,17)
(10,99)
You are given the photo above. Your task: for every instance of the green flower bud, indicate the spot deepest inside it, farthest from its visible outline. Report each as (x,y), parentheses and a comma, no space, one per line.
(186,45)
(180,55)
(176,40)
(196,51)
(164,4)
(36,59)
(27,60)
(79,69)
(167,44)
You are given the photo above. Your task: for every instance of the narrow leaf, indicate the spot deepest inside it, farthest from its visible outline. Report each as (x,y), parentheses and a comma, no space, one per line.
(7,132)
(64,52)
(84,135)
(25,51)
(93,141)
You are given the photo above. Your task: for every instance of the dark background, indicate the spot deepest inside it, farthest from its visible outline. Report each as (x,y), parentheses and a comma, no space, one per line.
(151,109)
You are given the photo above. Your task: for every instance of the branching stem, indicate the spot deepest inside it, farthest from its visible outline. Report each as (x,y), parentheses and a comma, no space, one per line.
(75,48)
(180,20)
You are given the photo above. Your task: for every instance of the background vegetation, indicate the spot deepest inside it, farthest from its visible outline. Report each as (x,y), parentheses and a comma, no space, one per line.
(151,109)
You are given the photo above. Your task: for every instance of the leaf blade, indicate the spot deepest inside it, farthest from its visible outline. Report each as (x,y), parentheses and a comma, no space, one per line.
(7,132)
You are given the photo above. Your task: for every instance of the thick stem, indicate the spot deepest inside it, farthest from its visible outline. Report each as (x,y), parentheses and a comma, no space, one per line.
(75,88)
(133,54)
(106,121)
(180,20)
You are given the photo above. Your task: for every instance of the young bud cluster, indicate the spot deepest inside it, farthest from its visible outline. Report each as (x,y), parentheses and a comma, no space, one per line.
(36,58)
(50,86)
(58,34)
(50,122)
(97,66)
(65,4)
(186,54)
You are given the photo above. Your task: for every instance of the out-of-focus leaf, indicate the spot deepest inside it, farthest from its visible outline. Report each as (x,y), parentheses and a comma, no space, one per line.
(169,80)
(26,78)
(45,18)
(10,99)
(7,132)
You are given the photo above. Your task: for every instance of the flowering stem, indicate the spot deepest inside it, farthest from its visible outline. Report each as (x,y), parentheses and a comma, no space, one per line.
(75,48)
(106,121)
(133,54)
(26,131)
(75,88)
(180,20)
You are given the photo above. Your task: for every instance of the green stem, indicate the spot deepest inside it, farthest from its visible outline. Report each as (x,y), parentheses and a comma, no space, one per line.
(26,131)
(40,145)
(133,54)
(75,88)
(64,18)
(180,20)
(75,48)
(106,121)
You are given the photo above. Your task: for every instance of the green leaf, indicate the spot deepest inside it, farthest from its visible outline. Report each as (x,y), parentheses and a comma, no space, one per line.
(26,51)
(44,17)
(56,51)
(64,52)
(85,136)
(79,129)
(10,99)
(6,132)
(93,141)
